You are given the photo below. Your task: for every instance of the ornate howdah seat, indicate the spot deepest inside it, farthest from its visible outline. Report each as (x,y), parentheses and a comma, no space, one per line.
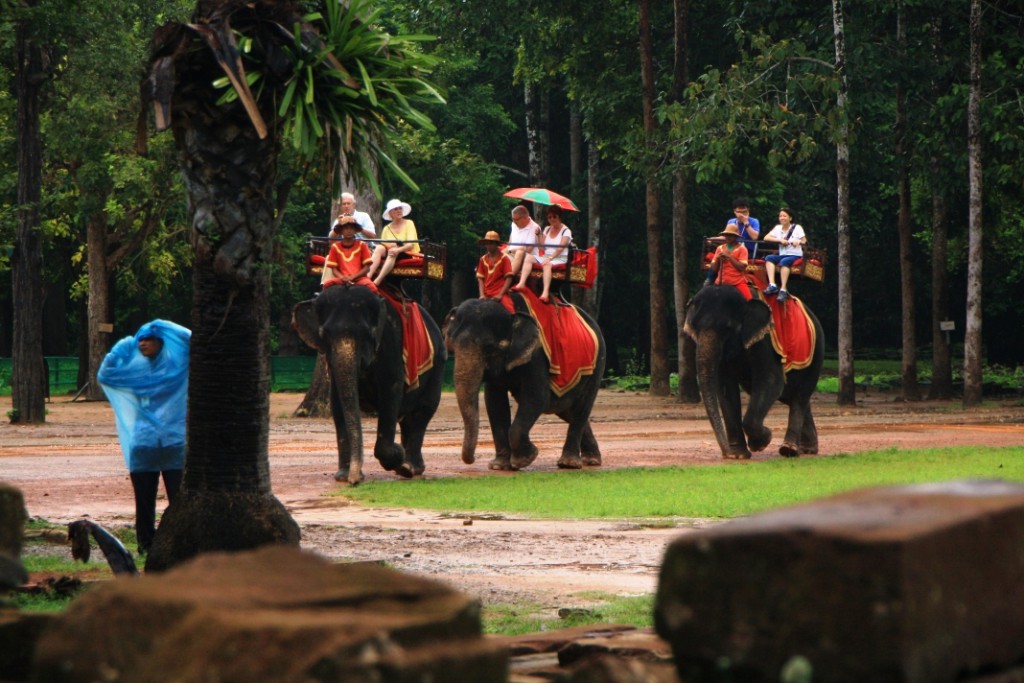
(430,263)
(811,266)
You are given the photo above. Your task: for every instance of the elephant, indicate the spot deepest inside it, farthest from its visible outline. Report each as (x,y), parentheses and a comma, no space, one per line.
(734,349)
(361,335)
(503,351)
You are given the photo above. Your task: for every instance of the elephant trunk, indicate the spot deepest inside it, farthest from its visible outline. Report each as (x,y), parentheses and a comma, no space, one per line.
(709,355)
(344,363)
(469,374)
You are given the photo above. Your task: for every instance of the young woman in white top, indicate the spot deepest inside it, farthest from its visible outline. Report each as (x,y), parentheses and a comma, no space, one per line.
(791,239)
(554,243)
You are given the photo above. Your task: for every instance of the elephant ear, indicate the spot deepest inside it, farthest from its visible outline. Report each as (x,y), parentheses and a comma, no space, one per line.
(757,322)
(448,320)
(524,343)
(307,325)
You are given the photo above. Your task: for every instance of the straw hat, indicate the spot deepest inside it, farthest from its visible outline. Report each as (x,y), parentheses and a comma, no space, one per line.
(731,229)
(491,237)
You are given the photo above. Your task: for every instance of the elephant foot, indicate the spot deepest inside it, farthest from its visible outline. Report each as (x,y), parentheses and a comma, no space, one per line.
(591,460)
(405,470)
(737,455)
(808,450)
(570,462)
(345,474)
(392,458)
(759,440)
(501,464)
(526,459)
(788,450)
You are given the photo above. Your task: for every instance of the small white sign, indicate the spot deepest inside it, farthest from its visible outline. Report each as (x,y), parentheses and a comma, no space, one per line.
(105,327)
(947,325)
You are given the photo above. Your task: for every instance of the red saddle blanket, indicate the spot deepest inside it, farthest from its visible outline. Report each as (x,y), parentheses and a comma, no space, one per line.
(417,347)
(569,343)
(793,333)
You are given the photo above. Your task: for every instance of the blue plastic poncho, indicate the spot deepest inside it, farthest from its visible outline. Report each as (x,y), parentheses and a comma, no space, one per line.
(150,397)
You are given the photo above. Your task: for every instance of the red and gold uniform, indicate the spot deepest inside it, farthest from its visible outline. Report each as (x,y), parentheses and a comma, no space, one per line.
(493,273)
(348,261)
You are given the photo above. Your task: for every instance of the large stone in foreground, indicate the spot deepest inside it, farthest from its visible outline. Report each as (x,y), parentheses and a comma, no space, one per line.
(909,583)
(273,614)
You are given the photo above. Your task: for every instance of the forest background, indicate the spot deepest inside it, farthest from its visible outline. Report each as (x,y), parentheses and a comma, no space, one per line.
(742,101)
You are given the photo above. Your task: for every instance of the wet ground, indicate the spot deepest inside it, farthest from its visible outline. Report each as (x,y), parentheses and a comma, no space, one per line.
(72,466)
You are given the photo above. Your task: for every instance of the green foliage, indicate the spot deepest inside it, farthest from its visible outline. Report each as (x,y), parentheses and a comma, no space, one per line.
(722,491)
(349,83)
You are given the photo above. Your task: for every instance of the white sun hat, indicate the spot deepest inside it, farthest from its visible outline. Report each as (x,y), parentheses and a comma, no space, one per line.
(395,204)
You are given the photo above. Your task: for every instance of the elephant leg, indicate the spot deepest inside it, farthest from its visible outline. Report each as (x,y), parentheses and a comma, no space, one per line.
(790,447)
(524,451)
(571,459)
(761,400)
(413,430)
(809,434)
(499,414)
(589,449)
(390,454)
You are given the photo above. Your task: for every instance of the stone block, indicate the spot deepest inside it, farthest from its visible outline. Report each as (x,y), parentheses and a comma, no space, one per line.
(19,632)
(276,614)
(913,584)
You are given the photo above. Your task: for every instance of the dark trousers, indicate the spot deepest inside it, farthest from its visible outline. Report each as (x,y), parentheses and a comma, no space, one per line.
(145,485)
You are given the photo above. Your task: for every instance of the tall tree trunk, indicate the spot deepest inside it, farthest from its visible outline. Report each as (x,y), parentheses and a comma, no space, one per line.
(592,296)
(533,142)
(847,391)
(28,374)
(942,366)
(99,309)
(575,150)
(544,137)
(578,294)
(687,363)
(908,372)
(317,401)
(972,335)
(225,502)
(659,332)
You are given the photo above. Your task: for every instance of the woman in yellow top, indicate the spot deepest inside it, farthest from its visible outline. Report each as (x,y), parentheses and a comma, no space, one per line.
(401,238)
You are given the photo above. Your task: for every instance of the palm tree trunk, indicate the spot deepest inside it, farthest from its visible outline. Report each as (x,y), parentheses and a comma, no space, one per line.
(225,502)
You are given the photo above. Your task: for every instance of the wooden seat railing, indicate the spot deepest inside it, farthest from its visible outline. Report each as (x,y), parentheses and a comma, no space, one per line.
(431,263)
(579,270)
(811,265)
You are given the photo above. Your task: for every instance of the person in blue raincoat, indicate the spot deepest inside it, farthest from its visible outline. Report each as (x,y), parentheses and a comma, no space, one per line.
(145,378)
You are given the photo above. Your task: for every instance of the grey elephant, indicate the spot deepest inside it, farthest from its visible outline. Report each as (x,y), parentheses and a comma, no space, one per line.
(361,335)
(734,349)
(504,351)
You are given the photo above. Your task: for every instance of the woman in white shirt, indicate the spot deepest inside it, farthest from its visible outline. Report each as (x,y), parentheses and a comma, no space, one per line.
(790,238)
(554,246)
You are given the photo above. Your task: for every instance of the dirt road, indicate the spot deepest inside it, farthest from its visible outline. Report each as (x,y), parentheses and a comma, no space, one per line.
(72,466)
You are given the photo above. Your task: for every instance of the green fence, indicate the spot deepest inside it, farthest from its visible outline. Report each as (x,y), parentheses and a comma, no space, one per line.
(287,373)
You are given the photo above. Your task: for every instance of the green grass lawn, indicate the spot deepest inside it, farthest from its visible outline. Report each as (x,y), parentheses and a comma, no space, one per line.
(715,491)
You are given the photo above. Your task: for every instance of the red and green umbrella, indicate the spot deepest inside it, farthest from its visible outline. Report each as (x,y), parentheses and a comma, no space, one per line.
(539,195)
